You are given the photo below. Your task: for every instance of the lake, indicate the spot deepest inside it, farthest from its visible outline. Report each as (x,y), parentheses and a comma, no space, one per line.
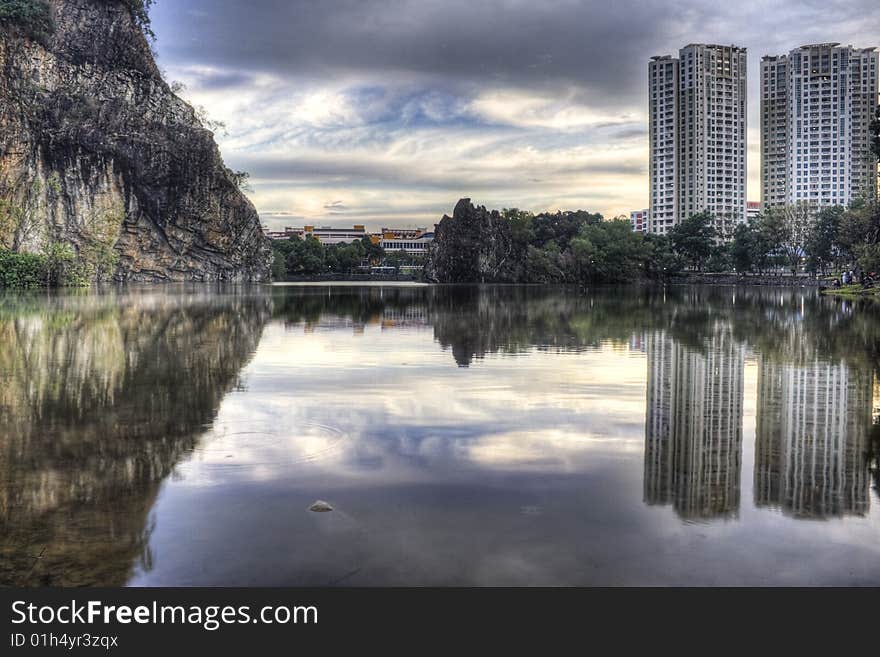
(464,436)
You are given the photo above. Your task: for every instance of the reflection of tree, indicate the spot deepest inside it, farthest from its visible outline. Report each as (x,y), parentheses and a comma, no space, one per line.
(476,321)
(100,398)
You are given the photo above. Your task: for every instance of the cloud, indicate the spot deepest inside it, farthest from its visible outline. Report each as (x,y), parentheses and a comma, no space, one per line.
(398,108)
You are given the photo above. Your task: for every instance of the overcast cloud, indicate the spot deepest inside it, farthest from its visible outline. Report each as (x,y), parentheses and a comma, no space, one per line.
(388,111)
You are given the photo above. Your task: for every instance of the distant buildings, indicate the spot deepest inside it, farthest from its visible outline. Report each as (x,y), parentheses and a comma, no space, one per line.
(698,124)
(412,240)
(640,220)
(817,104)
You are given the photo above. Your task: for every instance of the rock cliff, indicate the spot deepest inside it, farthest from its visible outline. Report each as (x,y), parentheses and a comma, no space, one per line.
(95,147)
(474,245)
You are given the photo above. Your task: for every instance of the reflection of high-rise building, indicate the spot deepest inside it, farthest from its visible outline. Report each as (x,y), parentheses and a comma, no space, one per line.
(693,441)
(811,442)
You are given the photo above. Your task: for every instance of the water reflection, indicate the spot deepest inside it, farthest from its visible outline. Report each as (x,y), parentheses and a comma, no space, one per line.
(693,437)
(100,398)
(814,422)
(495,435)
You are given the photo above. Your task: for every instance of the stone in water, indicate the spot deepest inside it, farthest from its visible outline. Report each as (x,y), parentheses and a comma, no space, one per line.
(320,507)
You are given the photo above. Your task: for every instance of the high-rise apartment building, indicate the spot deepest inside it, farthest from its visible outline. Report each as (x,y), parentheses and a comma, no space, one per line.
(698,107)
(817,104)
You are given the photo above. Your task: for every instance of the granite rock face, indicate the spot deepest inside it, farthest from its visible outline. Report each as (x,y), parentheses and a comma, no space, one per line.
(474,245)
(92,140)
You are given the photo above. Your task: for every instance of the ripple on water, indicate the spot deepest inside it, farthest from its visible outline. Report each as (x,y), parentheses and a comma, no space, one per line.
(249,444)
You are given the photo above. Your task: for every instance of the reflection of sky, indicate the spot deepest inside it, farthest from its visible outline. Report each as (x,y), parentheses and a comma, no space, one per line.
(523,469)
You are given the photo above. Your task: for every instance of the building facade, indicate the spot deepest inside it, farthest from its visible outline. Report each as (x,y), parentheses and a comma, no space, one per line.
(817,104)
(698,113)
(640,220)
(414,241)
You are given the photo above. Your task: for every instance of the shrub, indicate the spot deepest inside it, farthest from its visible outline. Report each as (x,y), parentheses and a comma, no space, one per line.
(30,18)
(59,266)
(22,270)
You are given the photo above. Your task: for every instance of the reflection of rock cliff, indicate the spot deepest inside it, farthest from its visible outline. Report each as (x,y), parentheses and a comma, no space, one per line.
(94,143)
(99,401)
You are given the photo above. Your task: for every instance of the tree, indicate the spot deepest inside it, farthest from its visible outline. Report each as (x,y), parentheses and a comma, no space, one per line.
(30,18)
(694,238)
(608,252)
(798,221)
(744,247)
(306,258)
(373,253)
(859,235)
(821,245)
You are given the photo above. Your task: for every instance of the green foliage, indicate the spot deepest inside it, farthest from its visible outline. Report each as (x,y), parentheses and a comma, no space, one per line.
(22,270)
(694,239)
(821,246)
(59,266)
(140,11)
(609,252)
(30,18)
(744,252)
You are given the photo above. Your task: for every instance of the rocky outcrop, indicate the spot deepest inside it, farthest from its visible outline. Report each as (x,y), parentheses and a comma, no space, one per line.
(474,245)
(95,147)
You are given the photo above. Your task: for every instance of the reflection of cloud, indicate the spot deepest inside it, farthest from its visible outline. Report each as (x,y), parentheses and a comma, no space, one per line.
(433,419)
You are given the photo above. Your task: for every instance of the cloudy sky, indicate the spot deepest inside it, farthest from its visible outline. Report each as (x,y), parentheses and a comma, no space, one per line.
(387,111)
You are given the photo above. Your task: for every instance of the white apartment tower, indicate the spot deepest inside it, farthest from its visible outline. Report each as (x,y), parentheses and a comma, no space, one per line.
(698,108)
(817,104)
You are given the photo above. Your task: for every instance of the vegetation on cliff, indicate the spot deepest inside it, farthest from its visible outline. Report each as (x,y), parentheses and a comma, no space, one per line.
(33,18)
(30,18)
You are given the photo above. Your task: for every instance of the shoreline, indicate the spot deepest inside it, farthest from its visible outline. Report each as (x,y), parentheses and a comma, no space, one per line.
(749,280)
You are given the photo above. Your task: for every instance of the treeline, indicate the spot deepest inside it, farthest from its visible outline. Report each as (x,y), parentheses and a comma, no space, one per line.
(580,247)
(796,237)
(308,257)
(477,245)
(514,246)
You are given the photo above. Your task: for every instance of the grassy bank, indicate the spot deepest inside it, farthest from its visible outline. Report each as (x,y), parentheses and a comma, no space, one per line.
(853,292)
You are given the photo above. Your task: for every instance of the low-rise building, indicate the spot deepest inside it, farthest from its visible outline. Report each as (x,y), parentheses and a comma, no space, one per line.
(412,240)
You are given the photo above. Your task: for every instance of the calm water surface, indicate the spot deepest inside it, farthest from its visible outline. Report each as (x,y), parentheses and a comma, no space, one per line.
(464,436)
